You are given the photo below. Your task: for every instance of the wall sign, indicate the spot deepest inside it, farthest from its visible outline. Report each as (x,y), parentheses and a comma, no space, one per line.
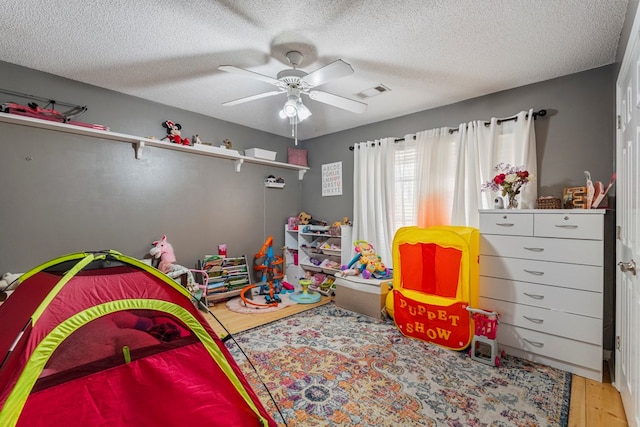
(332,179)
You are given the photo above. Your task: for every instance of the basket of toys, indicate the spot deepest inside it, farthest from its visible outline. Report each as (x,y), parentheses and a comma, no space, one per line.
(548,202)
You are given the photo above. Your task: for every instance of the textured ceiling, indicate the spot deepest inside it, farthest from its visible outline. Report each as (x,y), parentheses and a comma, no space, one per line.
(428,53)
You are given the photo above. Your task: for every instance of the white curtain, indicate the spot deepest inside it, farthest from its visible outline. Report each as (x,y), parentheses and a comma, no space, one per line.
(373,195)
(484,145)
(436,160)
(435,178)
(452,164)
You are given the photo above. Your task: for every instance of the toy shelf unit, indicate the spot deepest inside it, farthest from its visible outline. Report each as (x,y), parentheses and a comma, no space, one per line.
(293,271)
(320,251)
(227,276)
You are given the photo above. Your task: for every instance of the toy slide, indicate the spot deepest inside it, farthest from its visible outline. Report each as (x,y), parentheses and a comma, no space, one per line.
(435,279)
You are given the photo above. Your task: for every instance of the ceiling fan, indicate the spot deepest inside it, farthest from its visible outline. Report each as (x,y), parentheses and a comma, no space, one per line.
(294,83)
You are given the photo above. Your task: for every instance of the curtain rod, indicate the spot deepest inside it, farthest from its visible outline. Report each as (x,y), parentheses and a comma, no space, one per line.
(351,147)
(540,113)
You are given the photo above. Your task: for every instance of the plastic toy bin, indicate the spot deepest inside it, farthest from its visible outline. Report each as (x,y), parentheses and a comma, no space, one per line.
(259,153)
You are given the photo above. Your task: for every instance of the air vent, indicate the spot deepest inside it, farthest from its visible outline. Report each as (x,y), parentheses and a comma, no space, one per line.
(374,91)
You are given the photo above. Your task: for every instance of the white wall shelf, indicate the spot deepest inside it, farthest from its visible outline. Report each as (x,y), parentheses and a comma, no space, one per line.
(140,142)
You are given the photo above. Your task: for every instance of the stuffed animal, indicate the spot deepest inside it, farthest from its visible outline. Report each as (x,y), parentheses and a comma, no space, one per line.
(303,218)
(173,133)
(163,250)
(8,284)
(306,219)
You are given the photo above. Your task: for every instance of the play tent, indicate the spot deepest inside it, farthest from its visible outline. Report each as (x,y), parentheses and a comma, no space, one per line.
(102,339)
(435,277)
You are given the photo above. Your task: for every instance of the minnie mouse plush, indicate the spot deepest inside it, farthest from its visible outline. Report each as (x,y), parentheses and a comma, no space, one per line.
(173,133)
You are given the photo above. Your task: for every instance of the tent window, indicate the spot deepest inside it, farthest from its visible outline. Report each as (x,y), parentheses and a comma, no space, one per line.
(99,344)
(430,268)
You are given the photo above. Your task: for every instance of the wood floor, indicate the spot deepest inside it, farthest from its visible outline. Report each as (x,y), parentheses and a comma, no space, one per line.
(593,404)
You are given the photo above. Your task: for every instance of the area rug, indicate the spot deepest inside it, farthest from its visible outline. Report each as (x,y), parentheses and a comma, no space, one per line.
(238,306)
(332,367)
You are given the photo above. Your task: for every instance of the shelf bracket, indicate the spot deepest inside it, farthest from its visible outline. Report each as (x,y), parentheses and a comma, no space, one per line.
(301,173)
(239,164)
(139,145)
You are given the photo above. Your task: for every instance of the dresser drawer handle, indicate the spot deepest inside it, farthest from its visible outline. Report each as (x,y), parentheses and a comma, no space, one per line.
(531,319)
(534,249)
(572,227)
(534,296)
(535,273)
(505,224)
(535,343)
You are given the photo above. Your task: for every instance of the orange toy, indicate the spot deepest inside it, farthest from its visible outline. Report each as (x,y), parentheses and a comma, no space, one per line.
(271,284)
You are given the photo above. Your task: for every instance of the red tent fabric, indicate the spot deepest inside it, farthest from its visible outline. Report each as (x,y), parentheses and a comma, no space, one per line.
(101,339)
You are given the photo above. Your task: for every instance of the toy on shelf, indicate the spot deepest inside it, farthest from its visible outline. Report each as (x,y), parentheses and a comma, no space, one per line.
(323,284)
(270,284)
(48,112)
(367,263)
(292,223)
(173,133)
(306,219)
(484,346)
(163,251)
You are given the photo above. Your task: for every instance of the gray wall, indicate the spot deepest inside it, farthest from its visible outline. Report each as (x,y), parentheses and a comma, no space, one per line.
(82,193)
(576,135)
(79,193)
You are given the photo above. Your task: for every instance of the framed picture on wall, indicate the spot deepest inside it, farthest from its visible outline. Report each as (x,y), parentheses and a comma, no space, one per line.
(332,179)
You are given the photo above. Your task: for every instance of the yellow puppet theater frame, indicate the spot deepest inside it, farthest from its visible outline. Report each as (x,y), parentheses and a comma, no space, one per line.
(435,278)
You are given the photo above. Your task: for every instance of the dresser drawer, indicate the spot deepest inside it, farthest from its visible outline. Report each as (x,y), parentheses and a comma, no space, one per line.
(506,223)
(585,277)
(569,226)
(574,301)
(563,324)
(589,252)
(570,351)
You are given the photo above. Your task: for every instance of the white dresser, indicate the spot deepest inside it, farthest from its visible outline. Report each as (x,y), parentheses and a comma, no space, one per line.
(543,271)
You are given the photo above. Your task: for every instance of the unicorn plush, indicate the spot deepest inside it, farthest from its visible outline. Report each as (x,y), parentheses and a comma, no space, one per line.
(162,250)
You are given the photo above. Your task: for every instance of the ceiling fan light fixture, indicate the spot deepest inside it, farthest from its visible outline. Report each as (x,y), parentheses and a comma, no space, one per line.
(290,108)
(303,111)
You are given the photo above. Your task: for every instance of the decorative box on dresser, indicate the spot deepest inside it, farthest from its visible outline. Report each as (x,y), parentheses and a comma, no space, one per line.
(543,271)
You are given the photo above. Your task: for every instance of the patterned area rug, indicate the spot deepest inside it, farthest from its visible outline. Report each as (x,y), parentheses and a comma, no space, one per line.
(332,367)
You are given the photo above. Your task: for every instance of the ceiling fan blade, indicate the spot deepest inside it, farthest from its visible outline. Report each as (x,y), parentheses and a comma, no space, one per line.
(251,98)
(236,70)
(333,71)
(338,101)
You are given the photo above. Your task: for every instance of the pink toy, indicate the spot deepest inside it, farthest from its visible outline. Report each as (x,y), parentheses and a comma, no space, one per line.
(288,286)
(163,251)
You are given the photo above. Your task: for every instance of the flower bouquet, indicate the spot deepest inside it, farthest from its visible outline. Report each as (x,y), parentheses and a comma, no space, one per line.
(509,180)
